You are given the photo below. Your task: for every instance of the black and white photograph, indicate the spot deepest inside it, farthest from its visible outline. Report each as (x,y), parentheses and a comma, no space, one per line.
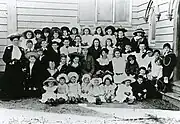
(89,61)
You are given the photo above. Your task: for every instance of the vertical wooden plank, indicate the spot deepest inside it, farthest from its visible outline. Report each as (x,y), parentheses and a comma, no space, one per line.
(12,16)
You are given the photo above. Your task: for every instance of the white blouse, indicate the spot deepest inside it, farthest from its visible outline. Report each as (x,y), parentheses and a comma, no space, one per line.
(16,53)
(119,65)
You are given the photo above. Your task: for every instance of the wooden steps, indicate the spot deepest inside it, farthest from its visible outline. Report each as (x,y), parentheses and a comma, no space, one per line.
(174,96)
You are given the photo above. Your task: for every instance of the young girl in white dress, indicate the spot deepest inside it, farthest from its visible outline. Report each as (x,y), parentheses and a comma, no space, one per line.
(50,86)
(109,46)
(109,88)
(62,89)
(74,88)
(87,38)
(85,86)
(96,91)
(124,92)
(119,65)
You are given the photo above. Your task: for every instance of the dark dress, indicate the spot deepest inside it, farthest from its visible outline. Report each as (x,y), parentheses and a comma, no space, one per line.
(11,82)
(121,42)
(94,53)
(135,44)
(74,69)
(132,69)
(54,56)
(104,68)
(88,65)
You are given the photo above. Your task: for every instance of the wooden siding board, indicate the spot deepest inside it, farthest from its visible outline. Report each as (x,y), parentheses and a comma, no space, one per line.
(3,13)
(3,6)
(28,4)
(46,12)
(24,18)
(53,1)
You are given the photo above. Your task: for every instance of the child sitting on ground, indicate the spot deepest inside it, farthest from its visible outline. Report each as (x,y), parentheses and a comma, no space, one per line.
(124,92)
(96,92)
(85,87)
(74,88)
(62,89)
(50,86)
(139,88)
(109,88)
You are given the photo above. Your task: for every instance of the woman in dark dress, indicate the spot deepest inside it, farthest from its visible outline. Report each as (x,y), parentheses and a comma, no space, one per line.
(75,63)
(139,37)
(95,49)
(103,65)
(11,83)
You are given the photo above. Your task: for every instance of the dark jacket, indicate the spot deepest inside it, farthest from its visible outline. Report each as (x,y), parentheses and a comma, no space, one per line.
(94,53)
(88,65)
(121,42)
(135,44)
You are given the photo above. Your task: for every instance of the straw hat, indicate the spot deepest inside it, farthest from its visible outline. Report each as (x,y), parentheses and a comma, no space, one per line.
(14,35)
(121,29)
(85,46)
(32,53)
(93,79)
(86,76)
(62,76)
(128,79)
(107,76)
(110,27)
(75,54)
(73,74)
(50,79)
(139,30)
(46,29)
(37,31)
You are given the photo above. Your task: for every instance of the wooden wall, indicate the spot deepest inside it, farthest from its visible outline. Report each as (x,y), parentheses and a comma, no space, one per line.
(32,14)
(3,30)
(164,27)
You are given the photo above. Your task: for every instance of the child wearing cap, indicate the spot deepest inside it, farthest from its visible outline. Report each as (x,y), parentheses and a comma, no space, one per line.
(85,86)
(32,70)
(124,92)
(109,88)
(62,89)
(74,88)
(96,92)
(38,38)
(50,86)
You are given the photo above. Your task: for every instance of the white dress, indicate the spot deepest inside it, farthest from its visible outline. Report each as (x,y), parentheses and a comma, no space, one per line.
(85,89)
(120,93)
(119,65)
(110,53)
(74,90)
(49,94)
(87,39)
(109,90)
(62,91)
(97,91)
(143,62)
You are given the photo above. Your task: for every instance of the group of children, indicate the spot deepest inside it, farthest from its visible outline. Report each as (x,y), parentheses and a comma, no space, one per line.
(65,66)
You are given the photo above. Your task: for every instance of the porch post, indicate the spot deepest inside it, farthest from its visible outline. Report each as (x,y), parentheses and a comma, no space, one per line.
(12,16)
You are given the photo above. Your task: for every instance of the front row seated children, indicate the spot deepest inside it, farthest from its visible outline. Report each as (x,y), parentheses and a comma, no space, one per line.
(50,86)
(96,91)
(74,88)
(109,88)
(139,88)
(85,87)
(124,92)
(62,89)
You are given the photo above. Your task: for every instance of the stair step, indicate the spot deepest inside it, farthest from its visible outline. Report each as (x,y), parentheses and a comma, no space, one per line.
(176,89)
(176,83)
(173,98)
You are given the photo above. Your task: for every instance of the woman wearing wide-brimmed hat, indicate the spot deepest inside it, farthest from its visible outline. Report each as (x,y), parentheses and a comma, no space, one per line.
(122,40)
(139,37)
(11,83)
